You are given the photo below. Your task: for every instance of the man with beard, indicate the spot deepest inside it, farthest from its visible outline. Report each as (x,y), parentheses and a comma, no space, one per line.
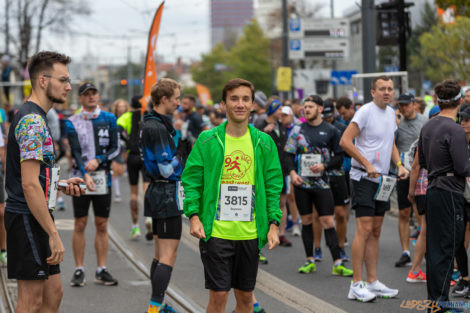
(314,153)
(33,244)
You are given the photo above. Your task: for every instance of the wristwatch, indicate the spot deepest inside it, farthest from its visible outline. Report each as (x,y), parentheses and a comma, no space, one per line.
(274,222)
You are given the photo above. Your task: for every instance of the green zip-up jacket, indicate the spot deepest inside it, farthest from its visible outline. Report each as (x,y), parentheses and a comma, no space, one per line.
(203,172)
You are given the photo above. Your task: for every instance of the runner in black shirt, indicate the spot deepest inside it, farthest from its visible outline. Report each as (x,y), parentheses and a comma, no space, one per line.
(315,152)
(193,125)
(441,151)
(33,244)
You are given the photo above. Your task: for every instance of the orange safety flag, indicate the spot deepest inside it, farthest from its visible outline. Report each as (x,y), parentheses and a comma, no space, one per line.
(203,93)
(150,77)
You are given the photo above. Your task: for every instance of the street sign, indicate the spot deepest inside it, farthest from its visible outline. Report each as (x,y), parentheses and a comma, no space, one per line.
(284,78)
(314,38)
(323,48)
(318,27)
(341,77)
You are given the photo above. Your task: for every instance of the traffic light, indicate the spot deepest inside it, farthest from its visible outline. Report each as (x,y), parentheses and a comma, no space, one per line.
(123,82)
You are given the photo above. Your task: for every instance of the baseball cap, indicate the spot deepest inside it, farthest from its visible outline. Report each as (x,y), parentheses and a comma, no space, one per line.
(406,98)
(85,87)
(287,110)
(328,109)
(465,113)
(260,98)
(434,111)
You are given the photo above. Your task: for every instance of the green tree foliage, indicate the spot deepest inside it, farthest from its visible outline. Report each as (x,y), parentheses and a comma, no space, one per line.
(445,51)
(461,6)
(248,59)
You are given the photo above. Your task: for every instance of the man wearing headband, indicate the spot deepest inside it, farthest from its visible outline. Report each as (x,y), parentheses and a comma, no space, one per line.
(441,151)
(372,127)
(272,126)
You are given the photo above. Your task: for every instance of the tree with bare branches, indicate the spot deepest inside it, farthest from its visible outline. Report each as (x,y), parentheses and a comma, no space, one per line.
(26,20)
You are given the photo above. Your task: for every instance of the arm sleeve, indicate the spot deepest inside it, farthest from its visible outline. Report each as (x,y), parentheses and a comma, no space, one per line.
(421,158)
(30,134)
(360,118)
(273,183)
(114,147)
(291,149)
(193,181)
(75,146)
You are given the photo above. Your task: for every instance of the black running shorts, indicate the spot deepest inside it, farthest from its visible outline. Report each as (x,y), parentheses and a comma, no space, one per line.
(403,187)
(321,198)
(101,205)
(339,188)
(229,263)
(167,228)
(134,166)
(27,248)
(363,202)
(421,204)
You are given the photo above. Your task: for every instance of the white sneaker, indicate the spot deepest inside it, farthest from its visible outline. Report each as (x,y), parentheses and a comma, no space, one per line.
(359,292)
(296,230)
(380,290)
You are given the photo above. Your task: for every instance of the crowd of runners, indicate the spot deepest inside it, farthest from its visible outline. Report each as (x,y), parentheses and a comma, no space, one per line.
(244,172)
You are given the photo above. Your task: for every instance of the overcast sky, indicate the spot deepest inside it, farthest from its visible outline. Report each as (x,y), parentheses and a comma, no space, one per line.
(117,27)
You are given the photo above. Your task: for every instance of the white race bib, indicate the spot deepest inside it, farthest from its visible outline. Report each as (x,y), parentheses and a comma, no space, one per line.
(308,160)
(54,180)
(180,195)
(386,185)
(101,183)
(236,202)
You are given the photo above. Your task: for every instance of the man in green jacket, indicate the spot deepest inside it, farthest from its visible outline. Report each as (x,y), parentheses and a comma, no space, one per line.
(232,182)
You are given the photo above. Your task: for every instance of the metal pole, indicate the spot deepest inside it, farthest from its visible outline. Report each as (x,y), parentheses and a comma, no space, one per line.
(285,42)
(368,44)
(130,89)
(402,34)
(333,64)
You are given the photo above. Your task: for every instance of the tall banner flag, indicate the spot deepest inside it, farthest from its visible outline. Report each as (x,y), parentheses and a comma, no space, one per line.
(150,77)
(203,93)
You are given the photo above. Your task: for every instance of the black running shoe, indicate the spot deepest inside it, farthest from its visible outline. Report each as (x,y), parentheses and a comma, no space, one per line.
(105,278)
(78,279)
(460,289)
(404,260)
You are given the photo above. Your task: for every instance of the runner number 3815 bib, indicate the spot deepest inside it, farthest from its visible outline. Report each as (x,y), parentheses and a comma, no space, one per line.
(236,202)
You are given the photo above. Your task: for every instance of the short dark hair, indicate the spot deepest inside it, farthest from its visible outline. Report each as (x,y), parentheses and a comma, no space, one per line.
(314,98)
(296,101)
(343,102)
(190,97)
(165,87)
(235,83)
(44,61)
(217,114)
(447,92)
(135,102)
(381,77)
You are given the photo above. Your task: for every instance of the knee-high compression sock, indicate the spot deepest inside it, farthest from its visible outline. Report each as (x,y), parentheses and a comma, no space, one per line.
(160,280)
(332,242)
(153,267)
(307,239)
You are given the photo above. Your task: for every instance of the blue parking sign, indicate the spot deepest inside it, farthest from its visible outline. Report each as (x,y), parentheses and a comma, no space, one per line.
(294,24)
(295,45)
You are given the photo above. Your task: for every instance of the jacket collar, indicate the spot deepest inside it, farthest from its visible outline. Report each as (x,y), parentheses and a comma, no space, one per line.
(221,130)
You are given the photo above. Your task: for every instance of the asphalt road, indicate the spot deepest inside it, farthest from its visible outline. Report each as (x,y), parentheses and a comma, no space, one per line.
(279,288)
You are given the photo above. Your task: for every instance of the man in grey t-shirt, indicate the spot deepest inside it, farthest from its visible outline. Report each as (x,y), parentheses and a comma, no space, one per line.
(409,126)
